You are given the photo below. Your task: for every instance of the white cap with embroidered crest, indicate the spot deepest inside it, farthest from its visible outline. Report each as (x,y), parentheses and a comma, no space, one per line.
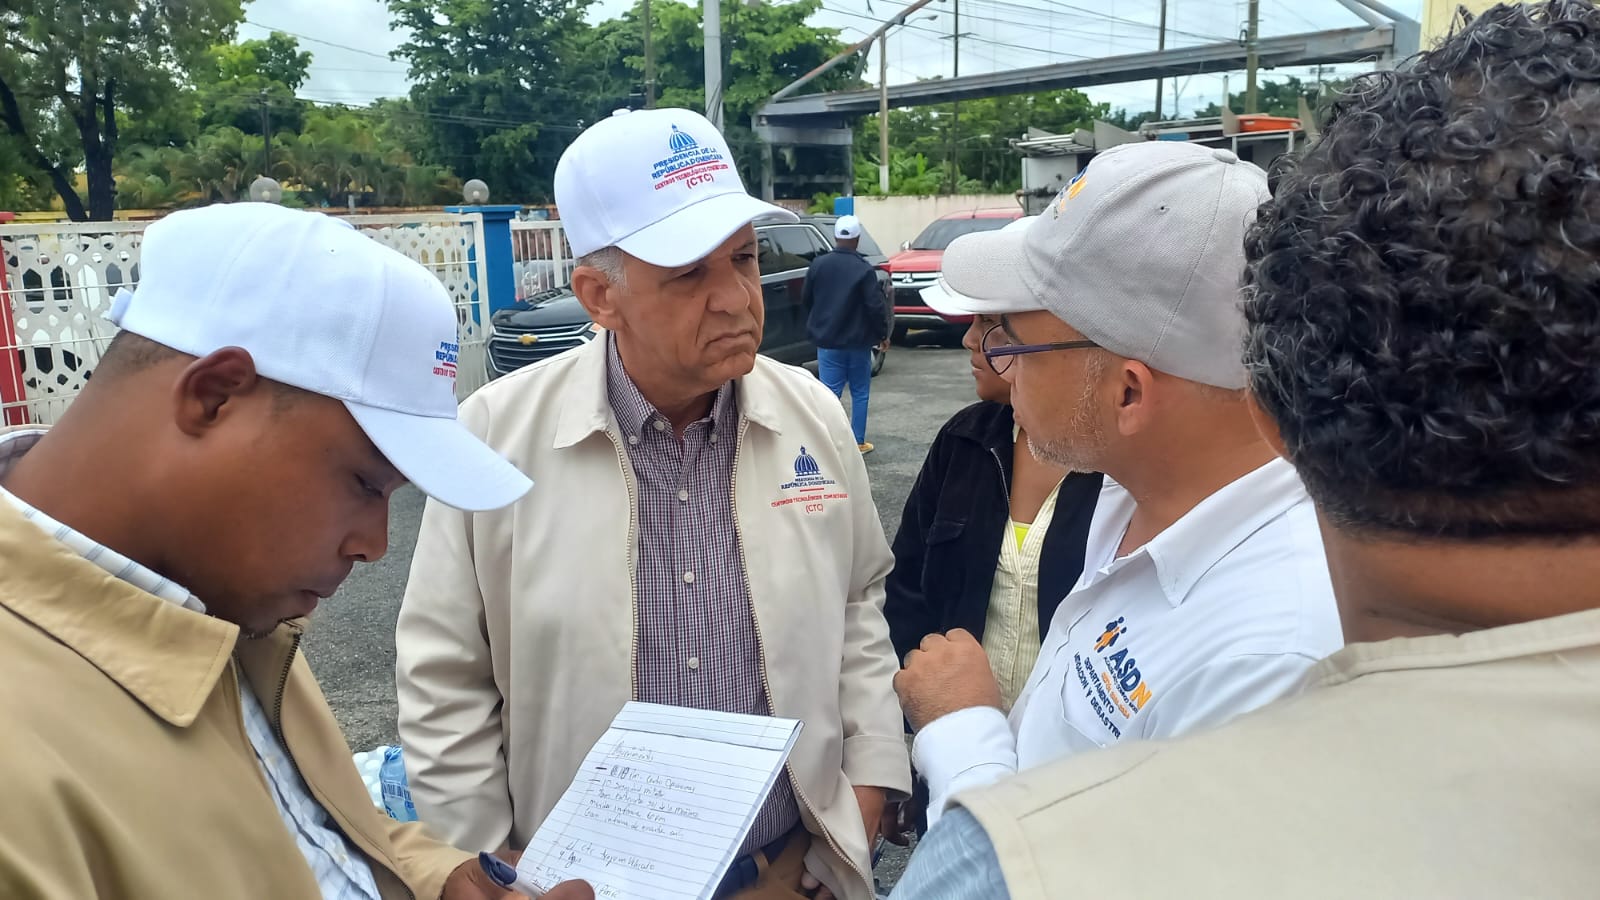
(659,184)
(323,308)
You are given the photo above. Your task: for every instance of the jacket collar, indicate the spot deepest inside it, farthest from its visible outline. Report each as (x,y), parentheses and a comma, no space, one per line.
(585,408)
(169,658)
(991,425)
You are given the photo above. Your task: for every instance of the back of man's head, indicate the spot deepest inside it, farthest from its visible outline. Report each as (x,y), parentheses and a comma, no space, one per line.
(1423,295)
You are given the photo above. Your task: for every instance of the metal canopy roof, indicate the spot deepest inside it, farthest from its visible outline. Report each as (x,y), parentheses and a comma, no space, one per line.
(1317,48)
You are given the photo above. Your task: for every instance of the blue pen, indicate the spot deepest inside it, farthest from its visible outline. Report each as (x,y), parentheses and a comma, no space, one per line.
(506,875)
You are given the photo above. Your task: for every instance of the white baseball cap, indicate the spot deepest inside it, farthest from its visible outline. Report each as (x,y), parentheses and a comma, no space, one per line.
(323,308)
(847,228)
(660,184)
(1142,252)
(941,298)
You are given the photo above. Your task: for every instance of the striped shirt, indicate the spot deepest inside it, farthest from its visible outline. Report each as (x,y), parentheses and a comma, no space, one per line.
(696,629)
(342,873)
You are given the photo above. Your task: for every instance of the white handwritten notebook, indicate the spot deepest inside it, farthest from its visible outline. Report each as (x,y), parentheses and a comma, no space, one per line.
(662,803)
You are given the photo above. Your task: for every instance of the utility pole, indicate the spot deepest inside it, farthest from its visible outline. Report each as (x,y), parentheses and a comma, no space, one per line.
(883,114)
(649,60)
(712,13)
(1252,62)
(1161,44)
(266,137)
(955,119)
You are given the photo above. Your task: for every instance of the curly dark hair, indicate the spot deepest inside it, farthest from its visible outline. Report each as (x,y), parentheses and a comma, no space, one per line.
(1423,293)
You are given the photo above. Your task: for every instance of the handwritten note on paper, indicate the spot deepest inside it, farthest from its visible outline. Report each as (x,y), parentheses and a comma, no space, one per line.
(662,803)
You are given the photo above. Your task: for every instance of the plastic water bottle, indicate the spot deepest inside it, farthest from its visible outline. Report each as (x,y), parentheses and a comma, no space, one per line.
(396,794)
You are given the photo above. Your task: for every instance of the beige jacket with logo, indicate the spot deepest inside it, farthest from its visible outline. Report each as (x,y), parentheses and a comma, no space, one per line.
(535,604)
(1445,766)
(125,771)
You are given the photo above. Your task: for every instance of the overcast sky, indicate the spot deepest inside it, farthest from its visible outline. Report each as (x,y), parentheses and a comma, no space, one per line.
(351,39)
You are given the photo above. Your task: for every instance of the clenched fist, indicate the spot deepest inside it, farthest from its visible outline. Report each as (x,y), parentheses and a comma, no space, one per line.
(949,672)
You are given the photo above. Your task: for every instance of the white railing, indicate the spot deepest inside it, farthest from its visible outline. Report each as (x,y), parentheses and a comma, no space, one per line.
(57,282)
(541,257)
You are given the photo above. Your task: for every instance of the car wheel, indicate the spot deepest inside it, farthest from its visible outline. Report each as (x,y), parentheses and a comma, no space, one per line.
(878,356)
(899,335)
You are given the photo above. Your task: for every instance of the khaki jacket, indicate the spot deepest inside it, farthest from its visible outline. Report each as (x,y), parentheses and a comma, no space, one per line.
(1441,766)
(125,771)
(535,604)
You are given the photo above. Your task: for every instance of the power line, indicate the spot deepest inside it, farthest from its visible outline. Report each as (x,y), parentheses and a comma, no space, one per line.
(940,34)
(306,37)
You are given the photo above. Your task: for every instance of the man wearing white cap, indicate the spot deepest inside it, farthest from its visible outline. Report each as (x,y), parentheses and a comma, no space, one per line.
(278,375)
(1205,590)
(705,536)
(847,318)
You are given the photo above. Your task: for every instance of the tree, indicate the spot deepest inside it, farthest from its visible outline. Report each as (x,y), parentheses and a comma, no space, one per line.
(765,47)
(981,144)
(71,64)
(1274,98)
(239,79)
(1132,121)
(502,88)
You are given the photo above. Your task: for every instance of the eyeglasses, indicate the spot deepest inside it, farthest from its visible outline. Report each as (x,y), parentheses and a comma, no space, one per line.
(998,349)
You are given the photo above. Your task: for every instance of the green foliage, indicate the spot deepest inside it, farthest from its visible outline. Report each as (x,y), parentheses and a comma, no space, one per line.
(239,79)
(1273,98)
(924,140)
(82,68)
(765,47)
(503,87)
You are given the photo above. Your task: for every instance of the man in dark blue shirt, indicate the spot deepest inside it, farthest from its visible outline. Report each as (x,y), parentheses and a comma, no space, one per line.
(848,318)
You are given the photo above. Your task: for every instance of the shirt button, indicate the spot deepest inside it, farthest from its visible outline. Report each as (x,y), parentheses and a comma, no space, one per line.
(660,425)
(633,440)
(688,578)
(683,496)
(694,662)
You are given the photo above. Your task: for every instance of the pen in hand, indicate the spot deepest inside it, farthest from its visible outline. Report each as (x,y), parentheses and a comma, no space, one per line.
(506,875)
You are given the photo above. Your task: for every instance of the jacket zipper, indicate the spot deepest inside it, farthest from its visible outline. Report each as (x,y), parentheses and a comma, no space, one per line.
(277,730)
(633,587)
(761,659)
(1004,481)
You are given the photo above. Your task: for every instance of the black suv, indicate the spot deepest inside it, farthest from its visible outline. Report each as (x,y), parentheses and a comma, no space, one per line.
(551,322)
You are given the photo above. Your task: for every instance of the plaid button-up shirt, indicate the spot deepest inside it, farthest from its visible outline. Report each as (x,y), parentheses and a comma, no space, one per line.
(696,628)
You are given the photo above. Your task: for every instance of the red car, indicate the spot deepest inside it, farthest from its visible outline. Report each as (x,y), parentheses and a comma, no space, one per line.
(917,266)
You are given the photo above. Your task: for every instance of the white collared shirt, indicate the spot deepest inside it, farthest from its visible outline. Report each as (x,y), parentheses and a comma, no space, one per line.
(1223,612)
(341,872)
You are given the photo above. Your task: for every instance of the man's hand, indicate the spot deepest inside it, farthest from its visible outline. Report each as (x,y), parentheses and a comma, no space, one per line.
(871,801)
(470,882)
(884,345)
(948,673)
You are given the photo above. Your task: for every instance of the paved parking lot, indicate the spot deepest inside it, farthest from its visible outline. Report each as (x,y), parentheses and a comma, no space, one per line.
(351,641)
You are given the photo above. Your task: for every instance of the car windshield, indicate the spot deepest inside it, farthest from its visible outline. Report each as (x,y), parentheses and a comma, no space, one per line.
(939,235)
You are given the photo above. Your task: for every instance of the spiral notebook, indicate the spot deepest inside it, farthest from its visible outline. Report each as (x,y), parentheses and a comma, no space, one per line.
(662,803)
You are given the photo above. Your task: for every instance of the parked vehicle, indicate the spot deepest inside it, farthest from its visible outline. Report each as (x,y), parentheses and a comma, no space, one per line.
(917,266)
(550,322)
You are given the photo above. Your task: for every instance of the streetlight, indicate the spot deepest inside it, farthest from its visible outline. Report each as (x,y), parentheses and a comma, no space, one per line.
(265,190)
(475,192)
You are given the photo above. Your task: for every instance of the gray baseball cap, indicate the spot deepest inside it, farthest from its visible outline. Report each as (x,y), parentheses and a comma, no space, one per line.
(1142,252)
